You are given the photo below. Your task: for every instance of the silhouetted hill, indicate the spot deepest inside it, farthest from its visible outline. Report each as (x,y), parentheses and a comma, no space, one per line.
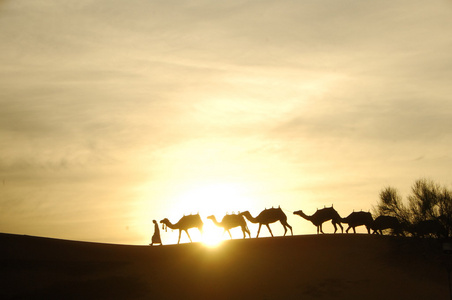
(327,266)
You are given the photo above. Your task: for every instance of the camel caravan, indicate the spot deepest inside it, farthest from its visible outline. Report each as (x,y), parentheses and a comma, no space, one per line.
(425,228)
(229,221)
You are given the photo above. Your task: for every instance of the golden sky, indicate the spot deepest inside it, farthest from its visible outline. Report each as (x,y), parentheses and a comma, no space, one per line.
(115,113)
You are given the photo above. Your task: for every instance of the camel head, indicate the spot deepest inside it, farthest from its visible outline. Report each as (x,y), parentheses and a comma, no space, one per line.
(299,213)
(164,224)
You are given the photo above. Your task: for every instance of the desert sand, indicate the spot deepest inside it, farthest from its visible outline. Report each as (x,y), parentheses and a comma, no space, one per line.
(329,266)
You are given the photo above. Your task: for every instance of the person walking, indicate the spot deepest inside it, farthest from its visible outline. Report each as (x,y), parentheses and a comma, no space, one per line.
(156,237)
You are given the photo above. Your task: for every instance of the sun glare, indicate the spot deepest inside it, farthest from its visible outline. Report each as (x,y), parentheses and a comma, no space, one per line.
(213,199)
(212,237)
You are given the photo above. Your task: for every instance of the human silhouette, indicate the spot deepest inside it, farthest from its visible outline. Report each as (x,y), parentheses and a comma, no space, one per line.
(156,237)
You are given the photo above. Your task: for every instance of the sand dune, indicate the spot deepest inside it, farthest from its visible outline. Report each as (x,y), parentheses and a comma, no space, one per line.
(326,266)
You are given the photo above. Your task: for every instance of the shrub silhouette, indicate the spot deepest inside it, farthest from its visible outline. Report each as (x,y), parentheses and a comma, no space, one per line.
(427,211)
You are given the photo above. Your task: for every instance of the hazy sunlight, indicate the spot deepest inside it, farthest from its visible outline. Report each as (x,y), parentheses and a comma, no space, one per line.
(213,198)
(212,236)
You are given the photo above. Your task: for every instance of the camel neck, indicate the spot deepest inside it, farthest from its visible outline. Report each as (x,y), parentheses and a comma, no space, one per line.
(214,220)
(250,218)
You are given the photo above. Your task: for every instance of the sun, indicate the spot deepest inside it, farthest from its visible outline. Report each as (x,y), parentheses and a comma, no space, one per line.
(212,237)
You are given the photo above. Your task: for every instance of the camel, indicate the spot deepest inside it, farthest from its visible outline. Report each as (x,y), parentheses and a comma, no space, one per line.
(231,221)
(321,216)
(386,222)
(268,216)
(357,219)
(185,223)
(428,228)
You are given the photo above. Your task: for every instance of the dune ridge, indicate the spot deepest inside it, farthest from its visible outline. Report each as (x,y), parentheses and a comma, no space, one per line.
(329,266)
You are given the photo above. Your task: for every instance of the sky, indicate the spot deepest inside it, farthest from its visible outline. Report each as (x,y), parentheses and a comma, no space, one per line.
(114,114)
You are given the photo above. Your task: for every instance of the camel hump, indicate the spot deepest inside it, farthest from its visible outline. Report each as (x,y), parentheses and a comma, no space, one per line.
(273,209)
(329,210)
(360,214)
(191,219)
(233,218)
(359,217)
(384,222)
(272,214)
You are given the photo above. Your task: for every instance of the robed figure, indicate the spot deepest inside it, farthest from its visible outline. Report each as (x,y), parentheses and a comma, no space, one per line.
(156,237)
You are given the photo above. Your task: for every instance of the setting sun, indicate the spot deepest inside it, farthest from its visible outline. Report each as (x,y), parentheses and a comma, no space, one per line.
(212,237)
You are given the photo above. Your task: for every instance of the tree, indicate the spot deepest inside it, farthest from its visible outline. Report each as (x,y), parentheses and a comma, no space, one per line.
(445,210)
(391,204)
(425,200)
(428,201)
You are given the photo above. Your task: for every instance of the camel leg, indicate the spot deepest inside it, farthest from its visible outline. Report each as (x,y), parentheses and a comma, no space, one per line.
(229,234)
(342,228)
(320,227)
(259,230)
(247,231)
(335,227)
(354,230)
(268,226)
(180,232)
(243,231)
(290,227)
(346,231)
(186,231)
(284,224)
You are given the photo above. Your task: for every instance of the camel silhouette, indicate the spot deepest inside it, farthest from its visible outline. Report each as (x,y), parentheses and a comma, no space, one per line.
(185,223)
(428,228)
(231,221)
(358,218)
(321,216)
(386,222)
(268,216)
